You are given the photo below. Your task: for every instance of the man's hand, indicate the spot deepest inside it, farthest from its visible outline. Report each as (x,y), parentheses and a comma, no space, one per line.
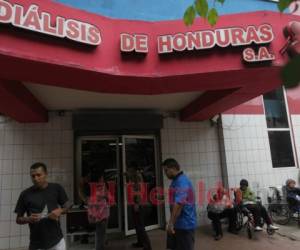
(55,214)
(170,228)
(33,218)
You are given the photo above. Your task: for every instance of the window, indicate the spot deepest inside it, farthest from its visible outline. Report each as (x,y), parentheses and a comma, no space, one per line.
(278,129)
(281,148)
(275,109)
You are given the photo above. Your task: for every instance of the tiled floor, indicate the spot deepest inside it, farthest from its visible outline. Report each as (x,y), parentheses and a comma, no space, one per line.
(204,241)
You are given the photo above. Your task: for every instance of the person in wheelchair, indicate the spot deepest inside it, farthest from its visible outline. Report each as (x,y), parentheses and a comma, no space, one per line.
(220,206)
(246,198)
(293,195)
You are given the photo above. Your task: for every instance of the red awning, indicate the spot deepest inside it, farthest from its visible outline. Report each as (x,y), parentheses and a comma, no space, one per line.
(220,72)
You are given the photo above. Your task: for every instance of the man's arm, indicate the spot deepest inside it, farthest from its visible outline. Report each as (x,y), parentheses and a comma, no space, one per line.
(21,219)
(180,198)
(65,207)
(176,211)
(252,195)
(21,209)
(63,202)
(238,196)
(249,195)
(56,213)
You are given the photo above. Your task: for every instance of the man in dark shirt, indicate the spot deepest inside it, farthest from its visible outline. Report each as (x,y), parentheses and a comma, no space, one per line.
(43,204)
(293,195)
(135,177)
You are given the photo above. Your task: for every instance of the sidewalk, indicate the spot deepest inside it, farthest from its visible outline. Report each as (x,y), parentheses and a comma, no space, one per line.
(287,238)
(204,241)
(290,231)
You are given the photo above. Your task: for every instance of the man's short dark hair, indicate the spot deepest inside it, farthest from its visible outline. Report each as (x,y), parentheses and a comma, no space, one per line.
(171,163)
(39,165)
(244,182)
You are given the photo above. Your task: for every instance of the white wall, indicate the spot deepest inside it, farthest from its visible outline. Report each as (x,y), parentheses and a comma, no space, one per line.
(248,153)
(195,146)
(20,146)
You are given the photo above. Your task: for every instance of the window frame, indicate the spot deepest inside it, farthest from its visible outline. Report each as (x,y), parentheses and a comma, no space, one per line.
(282,129)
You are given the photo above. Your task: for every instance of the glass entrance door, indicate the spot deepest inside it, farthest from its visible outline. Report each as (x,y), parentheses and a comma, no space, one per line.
(102,154)
(140,152)
(113,155)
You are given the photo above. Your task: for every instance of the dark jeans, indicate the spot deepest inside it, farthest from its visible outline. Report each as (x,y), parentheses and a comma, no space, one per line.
(184,239)
(293,203)
(259,211)
(142,236)
(100,234)
(229,213)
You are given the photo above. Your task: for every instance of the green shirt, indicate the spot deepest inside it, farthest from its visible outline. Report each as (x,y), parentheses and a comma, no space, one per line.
(248,195)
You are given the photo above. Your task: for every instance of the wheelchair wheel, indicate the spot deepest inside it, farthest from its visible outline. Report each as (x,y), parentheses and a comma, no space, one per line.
(239,220)
(280,213)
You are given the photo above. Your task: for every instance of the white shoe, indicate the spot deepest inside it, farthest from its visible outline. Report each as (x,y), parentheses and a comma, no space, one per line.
(272,227)
(258,228)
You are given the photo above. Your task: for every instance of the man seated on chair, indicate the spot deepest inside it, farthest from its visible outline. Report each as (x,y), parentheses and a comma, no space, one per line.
(293,195)
(220,206)
(247,198)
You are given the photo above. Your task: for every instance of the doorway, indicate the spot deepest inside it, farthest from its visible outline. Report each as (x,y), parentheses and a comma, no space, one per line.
(113,155)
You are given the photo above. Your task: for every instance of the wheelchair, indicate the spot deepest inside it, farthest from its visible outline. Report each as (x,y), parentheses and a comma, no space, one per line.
(245,220)
(280,208)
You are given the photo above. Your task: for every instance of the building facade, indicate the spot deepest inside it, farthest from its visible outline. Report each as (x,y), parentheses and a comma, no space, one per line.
(85,84)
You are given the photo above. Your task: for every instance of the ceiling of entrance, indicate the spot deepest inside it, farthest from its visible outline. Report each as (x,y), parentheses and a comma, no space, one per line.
(56,98)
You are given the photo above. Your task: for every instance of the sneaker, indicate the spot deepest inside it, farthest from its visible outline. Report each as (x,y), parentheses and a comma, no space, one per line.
(272,227)
(258,228)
